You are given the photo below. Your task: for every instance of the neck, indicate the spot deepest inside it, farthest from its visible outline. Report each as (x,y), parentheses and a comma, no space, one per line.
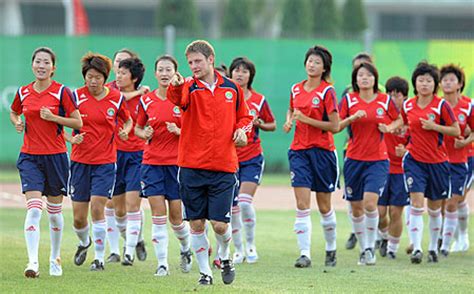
(209,78)
(127,89)
(452,98)
(425,97)
(98,93)
(366,94)
(42,84)
(161,92)
(313,82)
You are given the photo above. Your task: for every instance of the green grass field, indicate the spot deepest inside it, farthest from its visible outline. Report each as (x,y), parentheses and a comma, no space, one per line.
(274,273)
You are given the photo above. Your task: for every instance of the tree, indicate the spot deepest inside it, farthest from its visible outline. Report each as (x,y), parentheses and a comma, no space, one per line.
(354,20)
(296,20)
(182,14)
(326,18)
(237,18)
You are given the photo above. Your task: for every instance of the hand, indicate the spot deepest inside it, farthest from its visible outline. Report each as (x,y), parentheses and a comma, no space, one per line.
(467,131)
(77,139)
(427,124)
(383,128)
(459,142)
(358,115)
(287,126)
(240,138)
(257,122)
(46,114)
(148,132)
(143,90)
(298,115)
(400,150)
(173,128)
(19,126)
(177,80)
(123,134)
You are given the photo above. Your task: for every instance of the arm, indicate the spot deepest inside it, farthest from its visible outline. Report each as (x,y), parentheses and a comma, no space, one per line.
(329,126)
(265,126)
(175,90)
(349,120)
(145,133)
(173,128)
(243,124)
(74,121)
(452,130)
(125,130)
(289,121)
(383,128)
(17,122)
(139,92)
(76,139)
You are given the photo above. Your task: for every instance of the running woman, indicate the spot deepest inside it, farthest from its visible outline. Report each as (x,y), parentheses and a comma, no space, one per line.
(312,154)
(426,166)
(251,161)
(94,155)
(369,114)
(47,106)
(159,123)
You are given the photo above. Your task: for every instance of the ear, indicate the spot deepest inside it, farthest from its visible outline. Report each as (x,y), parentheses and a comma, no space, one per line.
(211,59)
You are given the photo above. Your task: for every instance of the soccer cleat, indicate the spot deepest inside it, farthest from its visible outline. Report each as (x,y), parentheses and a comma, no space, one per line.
(330,258)
(416,257)
(440,243)
(444,253)
(432,256)
(216,263)
(303,261)
(32,270)
(238,257)
(370,257)
(81,253)
(55,268)
(252,256)
(127,260)
(141,251)
(162,271)
(205,280)
(361,258)
(97,266)
(227,271)
(377,244)
(391,255)
(462,242)
(351,242)
(409,249)
(113,258)
(186,261)
(383,247)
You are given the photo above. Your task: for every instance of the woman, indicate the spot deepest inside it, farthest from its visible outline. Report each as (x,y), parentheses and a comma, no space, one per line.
(366,112)
(251,161)
(427,174)
(159,123)
(312,154)
(94,155)
(43,163)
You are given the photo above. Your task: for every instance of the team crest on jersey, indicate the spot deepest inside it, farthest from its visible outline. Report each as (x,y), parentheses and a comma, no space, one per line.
(316,102)
(431,117)
(110,111)
(461,118)
(349,190)
(229,95)
(379,111)
(253,113)
(410,181)
(176,110)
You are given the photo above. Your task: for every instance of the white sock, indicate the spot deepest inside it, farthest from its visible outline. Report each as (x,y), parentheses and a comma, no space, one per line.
(182,232)
(113,233)
(56,225)
(224,243)
(393,244)
(416,227)
(133,230)
(407,222)
(349,216)
(159,234)
(303,229)
(236,222)
(142,224)
(383,233)
(450,224)
(328,222)
(249,218)
(360,230)
(99,232)
(200,245)
(83,235)
(371,222)
(463,217)
(436,220)
(32,228)
(121,222)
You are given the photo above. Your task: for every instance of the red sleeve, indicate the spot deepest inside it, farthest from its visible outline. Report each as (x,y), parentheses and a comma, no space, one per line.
(447,114)
(471,121)
(68,102)
(178,95)
(343,109)
(330,101)
(16,104)
(404,115)
(142,117)
(244,119)
(266,113)
(392,110)
(123,112)
(291,99)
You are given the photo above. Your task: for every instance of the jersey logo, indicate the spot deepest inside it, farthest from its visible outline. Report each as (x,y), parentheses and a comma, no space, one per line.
(229,96)
(79,101)
(176,110)
(110,111)
(461,118)
(253,113)
(380,111)
(431,117)
(316,101)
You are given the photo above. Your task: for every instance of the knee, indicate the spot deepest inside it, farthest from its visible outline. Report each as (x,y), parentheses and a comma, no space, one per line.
(324,208)
(395,214)
(175,218)
(219,227)
(80,222)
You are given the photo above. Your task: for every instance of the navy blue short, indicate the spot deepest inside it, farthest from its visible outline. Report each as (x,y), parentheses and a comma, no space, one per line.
(45,173)
(431,179)
(395,193)
(364,176)
(470,167)
(128,172)
(314,168)
(251,170)
(459,177)
(91,180)
(160,180)
(207,194)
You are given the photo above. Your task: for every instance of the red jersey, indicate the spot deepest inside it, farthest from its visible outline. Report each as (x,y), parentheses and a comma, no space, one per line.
(317,104)
(209,121)
(463,112)
(133,143)
(366,142)
(41,136)
(401,136)
(99,119)
(427,146)
(162,148)
(259,108)
(470,148)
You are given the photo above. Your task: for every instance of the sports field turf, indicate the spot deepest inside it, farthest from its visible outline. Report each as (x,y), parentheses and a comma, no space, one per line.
(274,273)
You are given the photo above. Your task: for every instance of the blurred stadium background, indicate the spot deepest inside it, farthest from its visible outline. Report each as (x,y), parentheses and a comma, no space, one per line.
(274,34)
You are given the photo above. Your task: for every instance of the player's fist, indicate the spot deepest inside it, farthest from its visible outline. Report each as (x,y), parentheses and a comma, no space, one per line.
(148,132)
(240,138)
(46,114)
(143,90)
(427,124)
(173,128)
(123,134)
(287,126)
(358,115)
(177,80)
(78,139)
(19,126)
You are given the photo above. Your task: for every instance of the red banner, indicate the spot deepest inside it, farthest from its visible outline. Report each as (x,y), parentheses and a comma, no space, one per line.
(81,22)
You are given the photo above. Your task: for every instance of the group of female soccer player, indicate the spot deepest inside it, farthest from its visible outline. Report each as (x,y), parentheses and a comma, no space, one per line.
(125,148)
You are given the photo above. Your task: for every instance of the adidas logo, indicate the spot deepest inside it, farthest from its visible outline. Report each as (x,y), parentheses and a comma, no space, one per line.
(31,229)
(331,186)
(200,250)
(248,220)
(82,96)
(56,229)
(134,233)
(109,230)
(155,241)
(227,214)
(444,193)
(299,232)
(99,242)
(256,177)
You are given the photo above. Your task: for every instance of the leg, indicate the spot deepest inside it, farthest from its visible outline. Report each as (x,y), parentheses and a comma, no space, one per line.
(416,220)
(182,232)
(247,192)
(450,222)
(34,205)
(134,219)
(81,227)
(303,225)
(56,226)
(394,230)
(436,221)
(120,206)
(200,245)
(328,219)
(99,227)
(113,233)
(159,233)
